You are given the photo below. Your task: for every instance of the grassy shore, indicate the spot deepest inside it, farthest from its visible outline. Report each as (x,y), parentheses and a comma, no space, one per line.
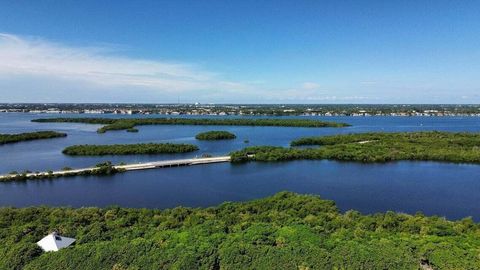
(128,123)
(285,231)
(374,147)
(29,136)
(128,149)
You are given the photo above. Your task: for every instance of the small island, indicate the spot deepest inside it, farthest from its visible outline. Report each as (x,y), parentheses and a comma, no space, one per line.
(128,149)
(215,135)
(29,136)
(128,123)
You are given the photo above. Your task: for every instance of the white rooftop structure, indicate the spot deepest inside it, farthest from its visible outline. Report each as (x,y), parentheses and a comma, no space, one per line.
(54,242)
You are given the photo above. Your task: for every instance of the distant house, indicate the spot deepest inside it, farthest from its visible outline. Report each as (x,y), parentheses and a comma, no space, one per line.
(55,242)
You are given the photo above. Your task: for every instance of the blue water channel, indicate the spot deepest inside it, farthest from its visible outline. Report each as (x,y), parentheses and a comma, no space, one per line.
(451,190)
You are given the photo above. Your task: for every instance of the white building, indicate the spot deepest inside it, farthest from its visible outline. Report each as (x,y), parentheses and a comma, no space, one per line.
(54,242)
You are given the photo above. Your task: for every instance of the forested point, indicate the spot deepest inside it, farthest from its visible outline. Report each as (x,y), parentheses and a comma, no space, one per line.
(29,136)
(128,149)
(215,135)
(374,147)
(128,123)
(285,231)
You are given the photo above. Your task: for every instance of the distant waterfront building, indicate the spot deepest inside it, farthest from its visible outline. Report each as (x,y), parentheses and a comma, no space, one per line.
(93,111)
(54,242)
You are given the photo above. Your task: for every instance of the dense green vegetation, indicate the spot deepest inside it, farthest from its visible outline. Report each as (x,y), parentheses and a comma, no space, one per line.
(103,168)
(128,149)
(215,135)
(375,147)
(127,123)
(285,231)
(13,138)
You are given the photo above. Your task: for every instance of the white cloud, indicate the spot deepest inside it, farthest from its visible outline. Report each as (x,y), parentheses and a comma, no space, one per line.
(310,92)
(310,85)
(99,68)
(38,70)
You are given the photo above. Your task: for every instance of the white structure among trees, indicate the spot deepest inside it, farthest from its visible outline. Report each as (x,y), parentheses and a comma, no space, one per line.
(55,242)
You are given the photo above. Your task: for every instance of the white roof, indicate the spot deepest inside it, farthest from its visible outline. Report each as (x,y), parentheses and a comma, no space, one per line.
(54,242)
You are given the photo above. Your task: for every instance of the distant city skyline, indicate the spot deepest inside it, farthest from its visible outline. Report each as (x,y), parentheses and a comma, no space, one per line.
(240,51)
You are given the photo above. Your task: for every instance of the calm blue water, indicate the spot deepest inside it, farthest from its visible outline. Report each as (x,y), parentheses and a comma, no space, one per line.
(449,190)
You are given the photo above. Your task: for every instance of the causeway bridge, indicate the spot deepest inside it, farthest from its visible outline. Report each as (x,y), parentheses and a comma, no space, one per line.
(135,166)
(173,163)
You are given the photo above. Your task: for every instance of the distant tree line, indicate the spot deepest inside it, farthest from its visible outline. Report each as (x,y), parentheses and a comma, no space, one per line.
(215,135)
(128,123)
(374,147)
(285,231)
(128,149)
(28,136)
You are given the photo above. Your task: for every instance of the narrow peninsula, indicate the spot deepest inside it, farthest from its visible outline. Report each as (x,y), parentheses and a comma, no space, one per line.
(29,136)
(129,149)
(215,135)
(128,123)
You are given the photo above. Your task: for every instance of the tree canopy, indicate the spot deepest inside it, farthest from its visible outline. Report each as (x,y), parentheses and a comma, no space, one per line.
(285,231)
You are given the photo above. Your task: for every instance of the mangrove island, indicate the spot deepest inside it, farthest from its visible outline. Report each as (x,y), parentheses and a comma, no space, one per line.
(128,149)
(128,123)
(215,135)
(29,136)
(374,147)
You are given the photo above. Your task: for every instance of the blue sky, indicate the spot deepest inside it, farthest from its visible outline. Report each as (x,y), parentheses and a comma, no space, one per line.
(240,51)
